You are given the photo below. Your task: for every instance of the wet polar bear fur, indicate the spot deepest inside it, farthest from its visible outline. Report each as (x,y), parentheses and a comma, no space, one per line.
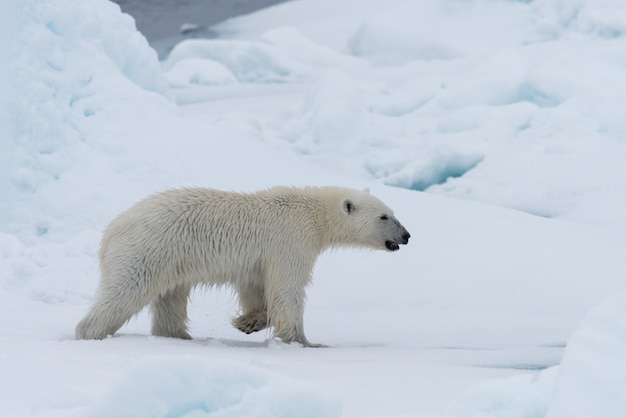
(263,244)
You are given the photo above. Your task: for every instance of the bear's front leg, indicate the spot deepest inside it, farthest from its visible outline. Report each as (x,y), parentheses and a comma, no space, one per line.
(285,306)
(297,337)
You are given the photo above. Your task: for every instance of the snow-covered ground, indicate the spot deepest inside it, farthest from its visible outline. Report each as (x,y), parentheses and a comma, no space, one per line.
(494,128)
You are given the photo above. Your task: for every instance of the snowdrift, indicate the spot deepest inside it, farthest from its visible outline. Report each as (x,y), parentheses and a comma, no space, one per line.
(192,386)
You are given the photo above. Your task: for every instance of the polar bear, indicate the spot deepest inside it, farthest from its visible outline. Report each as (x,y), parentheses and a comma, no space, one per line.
(263,244)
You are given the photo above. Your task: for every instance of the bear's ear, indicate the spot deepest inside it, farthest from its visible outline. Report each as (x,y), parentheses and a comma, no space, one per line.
(348,206)
(367,190)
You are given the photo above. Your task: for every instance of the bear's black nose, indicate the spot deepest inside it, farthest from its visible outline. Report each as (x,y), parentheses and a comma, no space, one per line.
(405,237)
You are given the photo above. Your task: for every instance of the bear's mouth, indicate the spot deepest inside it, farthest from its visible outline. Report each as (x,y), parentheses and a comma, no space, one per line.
(392,245)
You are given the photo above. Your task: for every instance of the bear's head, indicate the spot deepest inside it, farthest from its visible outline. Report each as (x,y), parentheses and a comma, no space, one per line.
(365,221)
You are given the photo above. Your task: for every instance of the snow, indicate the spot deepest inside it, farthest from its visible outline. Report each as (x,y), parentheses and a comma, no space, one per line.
(471,82)
(248,61)
(176,386)
(514,397)
(492,127)
(594,360)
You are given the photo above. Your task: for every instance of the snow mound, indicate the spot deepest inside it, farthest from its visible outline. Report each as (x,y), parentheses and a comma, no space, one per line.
(523,396)
(192,387)
(199,72)
(589,382)
(600,18)
(291,41)
(414,30)
(592,374)
(73,72)
(249,61)
(330,118)
(68,31)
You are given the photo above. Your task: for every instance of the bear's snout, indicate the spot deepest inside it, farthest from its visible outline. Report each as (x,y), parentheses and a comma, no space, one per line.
(403,239)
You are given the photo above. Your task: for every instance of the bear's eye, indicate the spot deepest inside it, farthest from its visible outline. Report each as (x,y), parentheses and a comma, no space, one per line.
(384,217)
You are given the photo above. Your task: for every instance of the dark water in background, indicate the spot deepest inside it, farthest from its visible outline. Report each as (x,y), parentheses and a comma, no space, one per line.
(160,21)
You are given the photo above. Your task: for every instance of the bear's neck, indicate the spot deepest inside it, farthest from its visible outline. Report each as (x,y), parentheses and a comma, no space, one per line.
(324,207)
(335,232)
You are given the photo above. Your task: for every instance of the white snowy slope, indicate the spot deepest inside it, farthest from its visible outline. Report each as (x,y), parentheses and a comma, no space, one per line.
(499,110)
(518,101)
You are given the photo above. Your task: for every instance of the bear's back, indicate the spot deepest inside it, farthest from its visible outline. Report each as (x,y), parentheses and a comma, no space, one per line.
(214,232)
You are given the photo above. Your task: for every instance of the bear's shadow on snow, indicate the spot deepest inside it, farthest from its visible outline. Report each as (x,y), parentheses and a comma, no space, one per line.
(210,341)
(203,341)
(225,342)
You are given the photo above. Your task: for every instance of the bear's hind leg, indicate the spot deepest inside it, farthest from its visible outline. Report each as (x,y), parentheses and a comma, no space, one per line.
(107,315)
(169,313)
(254,316)
(251,322)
